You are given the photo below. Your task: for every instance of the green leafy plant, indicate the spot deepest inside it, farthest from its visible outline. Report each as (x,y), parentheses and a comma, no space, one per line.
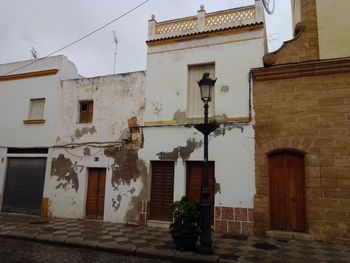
(186,217)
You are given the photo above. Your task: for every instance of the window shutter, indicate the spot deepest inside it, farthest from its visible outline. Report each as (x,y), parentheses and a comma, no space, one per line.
(36,110)
(194,102)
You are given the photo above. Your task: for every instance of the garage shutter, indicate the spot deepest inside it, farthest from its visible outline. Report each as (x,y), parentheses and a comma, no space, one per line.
(24,185)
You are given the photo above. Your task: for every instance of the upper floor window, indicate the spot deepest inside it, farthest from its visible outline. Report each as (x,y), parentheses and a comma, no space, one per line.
(86,111)
(36,109)
(194,102)
(36,112)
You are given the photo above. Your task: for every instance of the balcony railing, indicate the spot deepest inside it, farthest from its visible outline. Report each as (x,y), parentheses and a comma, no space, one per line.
(206,22)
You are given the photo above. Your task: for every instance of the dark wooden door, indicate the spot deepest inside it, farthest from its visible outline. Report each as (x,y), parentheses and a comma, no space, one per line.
(194,181)
(96,193)
(162,190)
(287,191)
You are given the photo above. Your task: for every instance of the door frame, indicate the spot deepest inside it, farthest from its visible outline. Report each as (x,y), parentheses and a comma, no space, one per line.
(295,152)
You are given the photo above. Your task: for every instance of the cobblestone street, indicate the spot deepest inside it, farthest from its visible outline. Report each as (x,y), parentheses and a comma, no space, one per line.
(13,250)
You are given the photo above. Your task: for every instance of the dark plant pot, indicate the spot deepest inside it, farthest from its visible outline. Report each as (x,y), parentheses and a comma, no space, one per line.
(185,241)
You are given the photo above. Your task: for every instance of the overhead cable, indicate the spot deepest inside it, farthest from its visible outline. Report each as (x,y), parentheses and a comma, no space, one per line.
(78,40)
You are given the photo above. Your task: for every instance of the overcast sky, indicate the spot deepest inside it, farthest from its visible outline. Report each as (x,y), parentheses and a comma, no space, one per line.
(48,25)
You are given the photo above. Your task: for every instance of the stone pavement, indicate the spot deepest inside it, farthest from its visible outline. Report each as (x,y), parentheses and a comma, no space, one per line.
(156,242)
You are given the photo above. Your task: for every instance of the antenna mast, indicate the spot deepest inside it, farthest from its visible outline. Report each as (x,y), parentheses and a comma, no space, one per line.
(115,51)
(34,53)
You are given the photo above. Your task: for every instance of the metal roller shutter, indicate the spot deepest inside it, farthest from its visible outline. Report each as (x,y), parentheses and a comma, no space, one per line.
(24,185)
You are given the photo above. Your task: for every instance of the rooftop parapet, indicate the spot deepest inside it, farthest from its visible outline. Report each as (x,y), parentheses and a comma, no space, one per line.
(206,22)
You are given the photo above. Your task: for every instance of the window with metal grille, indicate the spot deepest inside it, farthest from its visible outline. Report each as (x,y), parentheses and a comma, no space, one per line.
(86,111)
(194,102)
(36,109)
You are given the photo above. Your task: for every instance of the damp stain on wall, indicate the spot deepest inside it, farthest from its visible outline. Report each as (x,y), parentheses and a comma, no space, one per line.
(64,170)
(127,168)
(180,116)
(86,151)
(85,130)
(124,167)
(227,127)
(133,213)
(183,152)
(116,202)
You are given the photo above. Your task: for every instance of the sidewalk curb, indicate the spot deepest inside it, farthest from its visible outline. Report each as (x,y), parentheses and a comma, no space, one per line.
(171,255)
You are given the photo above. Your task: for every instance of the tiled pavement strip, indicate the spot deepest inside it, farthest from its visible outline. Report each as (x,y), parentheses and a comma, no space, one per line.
(157,243)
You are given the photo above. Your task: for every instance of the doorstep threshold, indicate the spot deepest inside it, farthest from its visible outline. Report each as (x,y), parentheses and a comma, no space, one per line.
(289,235)
(158,223)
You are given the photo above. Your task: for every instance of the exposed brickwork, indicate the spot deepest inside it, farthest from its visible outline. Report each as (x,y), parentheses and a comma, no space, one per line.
(310,114)
(304,46)
(234,220)
(143,212)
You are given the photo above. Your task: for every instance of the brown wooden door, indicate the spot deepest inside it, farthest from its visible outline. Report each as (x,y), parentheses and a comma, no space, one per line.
(287,191)
(162,190)
(194,181)
(96,193)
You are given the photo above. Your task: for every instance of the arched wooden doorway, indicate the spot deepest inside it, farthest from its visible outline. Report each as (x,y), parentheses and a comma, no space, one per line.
(287,191)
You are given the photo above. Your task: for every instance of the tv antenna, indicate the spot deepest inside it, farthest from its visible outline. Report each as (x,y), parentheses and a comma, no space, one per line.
(34,53)
(269,7)
(115,51)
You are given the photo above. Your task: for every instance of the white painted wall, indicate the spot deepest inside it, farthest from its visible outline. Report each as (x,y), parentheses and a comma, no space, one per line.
(15,98)
(166,89)
(233,55)
(233,154)
(117,98)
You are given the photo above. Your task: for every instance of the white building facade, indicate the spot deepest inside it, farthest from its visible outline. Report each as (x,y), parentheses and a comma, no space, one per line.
(29,102)
(226,44)
(95,170)
(122,148)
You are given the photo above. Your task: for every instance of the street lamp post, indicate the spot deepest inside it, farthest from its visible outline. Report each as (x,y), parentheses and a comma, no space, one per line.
(206,85)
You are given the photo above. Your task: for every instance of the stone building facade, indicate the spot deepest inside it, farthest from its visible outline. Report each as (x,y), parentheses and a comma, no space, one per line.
(302,115)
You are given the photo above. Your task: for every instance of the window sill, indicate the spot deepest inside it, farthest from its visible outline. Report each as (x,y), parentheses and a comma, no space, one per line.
(36,121)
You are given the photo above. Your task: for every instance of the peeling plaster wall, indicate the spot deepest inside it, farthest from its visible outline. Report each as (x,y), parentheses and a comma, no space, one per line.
(167,78)
(231,148)
(232,152)
(111,142)
(116,99)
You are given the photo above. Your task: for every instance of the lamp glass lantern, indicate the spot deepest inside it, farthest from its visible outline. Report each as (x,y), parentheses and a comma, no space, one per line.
(206,85)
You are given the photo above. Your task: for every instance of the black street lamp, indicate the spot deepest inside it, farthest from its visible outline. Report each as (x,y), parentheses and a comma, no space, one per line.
(206,85)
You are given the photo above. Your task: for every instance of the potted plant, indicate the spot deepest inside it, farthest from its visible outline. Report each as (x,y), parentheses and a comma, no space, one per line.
(185,226)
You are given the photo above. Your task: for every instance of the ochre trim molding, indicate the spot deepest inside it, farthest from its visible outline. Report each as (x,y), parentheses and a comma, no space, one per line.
(190,122)
(38,121)
(151,123)
(28,75)
(303,69)
(205,34)
(238,119)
